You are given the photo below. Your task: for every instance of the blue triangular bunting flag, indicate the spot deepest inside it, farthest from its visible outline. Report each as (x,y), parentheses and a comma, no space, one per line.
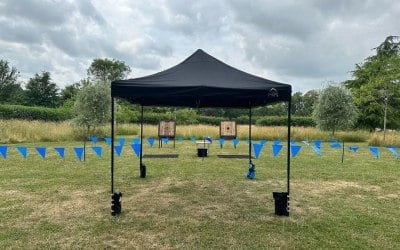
(78,152)
(317,143)
(150,141)
(353,148)
(121,141)
(118,149)
(180,138)
(263,141)
(221,141)
(108,140)
(60,151)
(165,140)
(136,149)
(295,149)
(23,151)
(93,139)
(235,142)
(374,151)
(276,142)
(98,150)
(41,151)
(193,139)
(394,151)
(276,149)
(3,151)
(257,149)
(306,142)
(317,150)
(336,145)
(137,140)
(209,139)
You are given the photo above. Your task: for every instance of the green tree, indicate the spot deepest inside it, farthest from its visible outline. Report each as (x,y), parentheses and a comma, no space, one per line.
(334,109)
(70,91)
(108,70)
(93,106)
(277,109)
(303,104)
(41,91)
(376,86)
(309,100)
(10,89)
(186,116)
(297,103)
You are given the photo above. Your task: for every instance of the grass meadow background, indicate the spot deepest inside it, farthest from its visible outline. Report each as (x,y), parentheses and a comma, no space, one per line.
(19,131)
(195,203)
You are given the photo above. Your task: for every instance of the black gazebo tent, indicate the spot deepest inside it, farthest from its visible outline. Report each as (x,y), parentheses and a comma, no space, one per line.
(201,81)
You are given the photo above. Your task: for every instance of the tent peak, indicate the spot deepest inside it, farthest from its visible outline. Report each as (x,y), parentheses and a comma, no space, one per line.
(200,56)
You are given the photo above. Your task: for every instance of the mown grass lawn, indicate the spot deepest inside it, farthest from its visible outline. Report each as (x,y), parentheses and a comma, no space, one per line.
(197,203)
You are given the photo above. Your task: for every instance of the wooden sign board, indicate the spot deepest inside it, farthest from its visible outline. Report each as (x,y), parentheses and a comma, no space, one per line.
(227,129)
(167,129)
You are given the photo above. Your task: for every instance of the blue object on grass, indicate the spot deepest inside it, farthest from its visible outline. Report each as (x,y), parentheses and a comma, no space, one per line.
(251,173)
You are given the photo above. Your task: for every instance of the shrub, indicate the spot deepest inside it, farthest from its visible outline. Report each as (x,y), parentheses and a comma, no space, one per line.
(33,113)
(210,120)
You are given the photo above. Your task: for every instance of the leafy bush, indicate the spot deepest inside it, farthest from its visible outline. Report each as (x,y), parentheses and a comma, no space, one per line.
(210,120)
(186,116)
(244,119)
(33,113)
(154,118)
(126,115)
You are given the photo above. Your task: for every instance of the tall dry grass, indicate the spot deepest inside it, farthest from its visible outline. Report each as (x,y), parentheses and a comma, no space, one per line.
(391,139)
(16,131)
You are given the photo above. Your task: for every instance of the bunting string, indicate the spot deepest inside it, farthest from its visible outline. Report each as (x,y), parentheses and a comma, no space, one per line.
(276,147)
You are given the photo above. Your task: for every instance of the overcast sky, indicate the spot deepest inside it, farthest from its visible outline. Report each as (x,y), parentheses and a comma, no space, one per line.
(305,43)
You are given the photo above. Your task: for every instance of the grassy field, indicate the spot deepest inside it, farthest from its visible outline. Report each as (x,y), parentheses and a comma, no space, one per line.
(19,131)
(195,203)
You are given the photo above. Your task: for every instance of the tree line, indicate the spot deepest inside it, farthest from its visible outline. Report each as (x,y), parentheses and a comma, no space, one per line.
(369,100)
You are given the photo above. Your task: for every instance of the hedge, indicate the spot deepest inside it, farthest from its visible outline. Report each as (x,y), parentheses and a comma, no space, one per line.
(33,113)
(53,114)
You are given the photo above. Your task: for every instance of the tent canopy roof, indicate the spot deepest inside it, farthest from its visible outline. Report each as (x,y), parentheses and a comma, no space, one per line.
(201,81)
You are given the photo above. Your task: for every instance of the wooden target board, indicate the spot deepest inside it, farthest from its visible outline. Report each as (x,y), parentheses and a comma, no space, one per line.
(167,129)
(227,130)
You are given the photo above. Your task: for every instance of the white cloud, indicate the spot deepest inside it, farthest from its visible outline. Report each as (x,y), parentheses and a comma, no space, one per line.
(305,43)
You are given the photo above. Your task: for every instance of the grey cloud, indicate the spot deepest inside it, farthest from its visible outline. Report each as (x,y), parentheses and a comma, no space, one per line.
(319,41)
(198,19)
(353,9)
(36,11)
(143,61)
(20,33)
(155,46)
(284,18)
(87,9)
(67,41)
(301,41)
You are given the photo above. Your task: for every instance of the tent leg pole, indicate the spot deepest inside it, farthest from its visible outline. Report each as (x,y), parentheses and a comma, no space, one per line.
(141,137)
(112,144)
(250,135)
(288,143)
